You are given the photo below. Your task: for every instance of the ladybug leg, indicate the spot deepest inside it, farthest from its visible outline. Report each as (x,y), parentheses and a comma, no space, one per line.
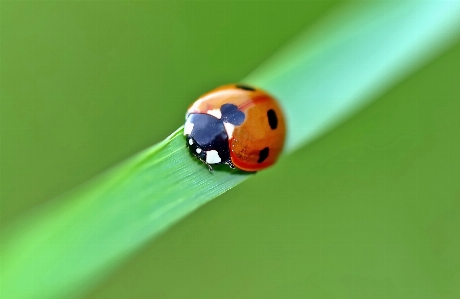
(230,164)
(207,164)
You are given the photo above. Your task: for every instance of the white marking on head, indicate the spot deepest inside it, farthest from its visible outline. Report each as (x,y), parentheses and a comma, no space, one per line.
(188,128)
(198,150)
(212,157)
(190,141)
(229,128)
(215,112)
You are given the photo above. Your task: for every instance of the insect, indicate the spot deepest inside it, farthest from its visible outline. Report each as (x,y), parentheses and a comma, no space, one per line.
(237,125)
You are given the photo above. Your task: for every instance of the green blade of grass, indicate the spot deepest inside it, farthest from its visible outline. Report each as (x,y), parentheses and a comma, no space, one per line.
(327,73)
(351,56)
(71,239)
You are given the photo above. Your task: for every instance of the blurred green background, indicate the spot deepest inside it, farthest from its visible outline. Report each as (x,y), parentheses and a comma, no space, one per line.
(371,210)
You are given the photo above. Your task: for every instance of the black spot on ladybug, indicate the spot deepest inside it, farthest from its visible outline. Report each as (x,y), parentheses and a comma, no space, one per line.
(231,114)
(245,87)
(272,119)
(263,154)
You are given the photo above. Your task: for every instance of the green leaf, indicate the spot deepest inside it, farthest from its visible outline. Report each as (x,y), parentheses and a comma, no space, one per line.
(109,217)
(330,71)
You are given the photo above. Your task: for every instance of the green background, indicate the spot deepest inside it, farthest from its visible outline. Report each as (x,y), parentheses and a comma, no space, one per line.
(371,210)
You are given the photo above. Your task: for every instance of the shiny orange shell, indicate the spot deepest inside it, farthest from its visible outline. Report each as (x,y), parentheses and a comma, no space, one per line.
(258,141)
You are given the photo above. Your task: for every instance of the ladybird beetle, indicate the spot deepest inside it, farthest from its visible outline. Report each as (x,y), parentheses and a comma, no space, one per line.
(237,125)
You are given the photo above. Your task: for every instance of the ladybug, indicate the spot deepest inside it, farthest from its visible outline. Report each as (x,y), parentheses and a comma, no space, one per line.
(237,125)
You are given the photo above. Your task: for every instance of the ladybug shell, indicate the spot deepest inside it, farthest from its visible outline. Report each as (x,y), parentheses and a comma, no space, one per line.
(257,142)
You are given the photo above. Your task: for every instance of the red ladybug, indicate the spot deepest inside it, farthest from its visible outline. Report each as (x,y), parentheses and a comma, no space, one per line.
(237,125)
